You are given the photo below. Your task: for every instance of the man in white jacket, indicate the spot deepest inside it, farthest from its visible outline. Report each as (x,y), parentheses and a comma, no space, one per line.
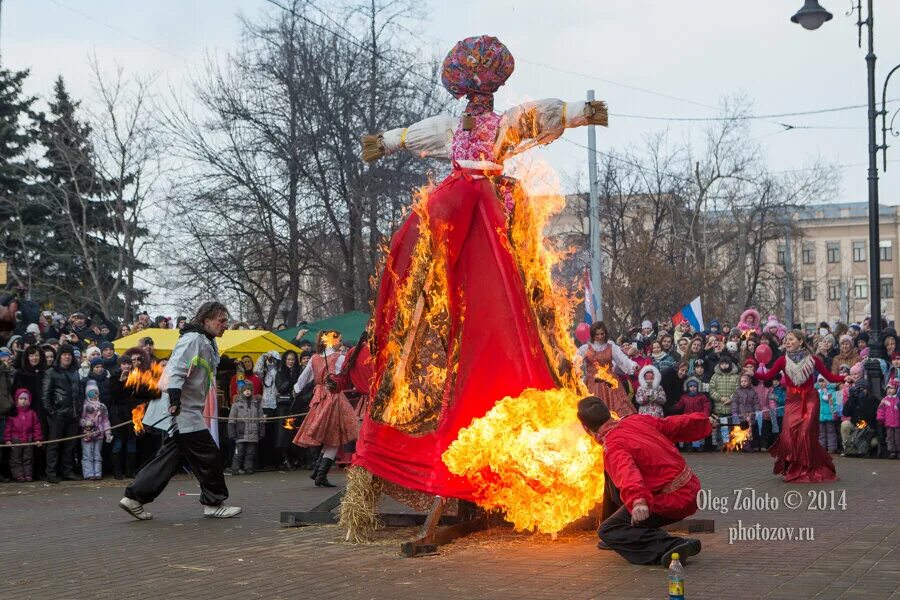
(189,379)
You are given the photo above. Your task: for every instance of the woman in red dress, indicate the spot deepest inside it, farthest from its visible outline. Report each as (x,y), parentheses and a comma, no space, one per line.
(798,455)
(331,422)
(604,357)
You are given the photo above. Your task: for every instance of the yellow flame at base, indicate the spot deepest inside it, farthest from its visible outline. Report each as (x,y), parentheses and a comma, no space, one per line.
(530,457)
(737,437)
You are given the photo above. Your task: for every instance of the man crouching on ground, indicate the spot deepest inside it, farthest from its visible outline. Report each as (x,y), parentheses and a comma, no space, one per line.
(656,486)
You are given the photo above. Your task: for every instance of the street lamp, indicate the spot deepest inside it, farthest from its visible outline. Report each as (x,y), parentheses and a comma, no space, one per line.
(811,16)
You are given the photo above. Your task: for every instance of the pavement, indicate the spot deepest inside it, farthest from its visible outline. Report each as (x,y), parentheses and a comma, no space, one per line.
(71,541)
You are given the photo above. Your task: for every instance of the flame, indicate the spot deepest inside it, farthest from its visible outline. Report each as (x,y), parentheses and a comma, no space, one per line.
(289,424)
(737,438)
(605,375)
(137,418)
(530,457)
(147,379)
(861,424)
(331,338)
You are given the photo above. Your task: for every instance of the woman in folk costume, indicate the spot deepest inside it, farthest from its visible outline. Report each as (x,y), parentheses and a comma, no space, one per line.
(798,455)
(331,422)
(460,322)
(600,356)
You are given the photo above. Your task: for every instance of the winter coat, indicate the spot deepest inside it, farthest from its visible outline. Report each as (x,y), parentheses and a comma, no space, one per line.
(94,421)
(284,382)
(650,399)
(267,375)
(662,362)
(828,403)
(860,404)
(61,392)
(102,382)
(744,401)
(848,360)
(721,388)
(121,399)
(24,425)
(694,403)
(672,385)
(6,399)
(30,380)
(241,430)
(889,412)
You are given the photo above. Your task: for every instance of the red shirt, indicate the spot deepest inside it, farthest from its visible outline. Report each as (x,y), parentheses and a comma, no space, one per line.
(641,458)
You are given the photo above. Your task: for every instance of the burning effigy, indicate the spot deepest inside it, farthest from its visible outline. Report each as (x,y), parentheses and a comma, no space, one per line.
(469,329)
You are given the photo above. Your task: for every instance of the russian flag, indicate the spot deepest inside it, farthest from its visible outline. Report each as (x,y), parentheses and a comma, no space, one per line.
(692,313)
(590,301)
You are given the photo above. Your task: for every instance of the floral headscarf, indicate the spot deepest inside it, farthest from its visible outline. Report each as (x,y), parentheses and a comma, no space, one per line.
(476,67)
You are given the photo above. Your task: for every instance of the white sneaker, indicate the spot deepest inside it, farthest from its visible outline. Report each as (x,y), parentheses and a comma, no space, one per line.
(221,511)
(135,509)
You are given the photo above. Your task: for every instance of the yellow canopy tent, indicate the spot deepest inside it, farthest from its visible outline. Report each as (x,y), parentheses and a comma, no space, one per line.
(235,343)
(163,341)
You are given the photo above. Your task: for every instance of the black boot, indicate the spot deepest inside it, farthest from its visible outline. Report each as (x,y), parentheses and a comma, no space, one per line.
(322,474)
(117,459)
(130,463)
(315,470)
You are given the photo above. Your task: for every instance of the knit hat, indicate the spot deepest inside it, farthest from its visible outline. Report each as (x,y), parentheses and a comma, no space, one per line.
(91,350)
(22,392)
(856,370)
(691,381)
(96,361)
(751,362)
(646,325)
(4,352)
(864,336)
(65,349)
(91,388)
(105,345)
(895,355)
(855,327)
(732,347)
(33,328)
(846,337)
(894,384)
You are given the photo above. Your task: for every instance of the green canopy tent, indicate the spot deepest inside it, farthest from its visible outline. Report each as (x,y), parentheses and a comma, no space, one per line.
(351,325)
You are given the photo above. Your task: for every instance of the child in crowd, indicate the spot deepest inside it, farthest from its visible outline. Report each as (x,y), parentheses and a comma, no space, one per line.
(94,428)
(692,401)
(700,373)
(893,371)
(888,416)
(721,387)
(827,411)
(244,429)
(743,407)
(650,397)
(22,427)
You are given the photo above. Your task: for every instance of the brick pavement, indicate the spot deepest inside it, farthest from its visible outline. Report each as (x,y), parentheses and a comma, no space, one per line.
(71,541)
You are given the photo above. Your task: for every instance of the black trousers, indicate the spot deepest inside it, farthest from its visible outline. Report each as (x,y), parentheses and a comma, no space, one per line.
(201,453)
(59,428)
(641,544)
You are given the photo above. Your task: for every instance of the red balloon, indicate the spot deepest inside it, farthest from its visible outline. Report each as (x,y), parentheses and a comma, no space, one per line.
(583,333)
(763,354)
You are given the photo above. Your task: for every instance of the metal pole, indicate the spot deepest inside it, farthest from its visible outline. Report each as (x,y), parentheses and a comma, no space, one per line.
(876,350)
(594,219)
(788,276)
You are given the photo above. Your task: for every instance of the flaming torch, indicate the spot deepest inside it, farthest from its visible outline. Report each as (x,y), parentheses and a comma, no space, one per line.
(738,436)
(861,424)
(289,424)
(146,386)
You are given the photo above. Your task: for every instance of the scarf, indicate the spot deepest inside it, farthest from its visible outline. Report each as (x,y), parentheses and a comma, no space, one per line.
(798,366)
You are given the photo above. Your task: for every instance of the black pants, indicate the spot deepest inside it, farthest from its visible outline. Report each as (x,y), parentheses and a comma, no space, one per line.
(641,544)
(59,427)
(201,453)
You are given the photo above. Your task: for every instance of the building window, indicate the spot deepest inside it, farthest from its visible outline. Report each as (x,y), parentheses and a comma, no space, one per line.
(886,250)
(860,288)
(809,253)
(780,255)
(887,287)
(834,251)
(809,290)
(859,252)
(834,289)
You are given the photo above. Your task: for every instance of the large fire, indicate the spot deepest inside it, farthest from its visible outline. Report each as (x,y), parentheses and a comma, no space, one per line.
(737,438)
(530,457)
(146,384)
(137,418)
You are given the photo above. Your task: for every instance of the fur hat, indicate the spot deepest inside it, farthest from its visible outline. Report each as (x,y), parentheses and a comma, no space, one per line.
(646,325)
(692,381)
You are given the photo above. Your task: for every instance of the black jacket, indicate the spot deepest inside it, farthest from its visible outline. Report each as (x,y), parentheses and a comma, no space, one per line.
(861,405)
(122,400)
(61,392)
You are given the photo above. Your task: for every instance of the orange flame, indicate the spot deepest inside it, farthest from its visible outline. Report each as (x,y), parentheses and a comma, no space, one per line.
(137,418)
(530,457)
(737,438)
(605,375)
(861,424)
(289,424)
(147,379)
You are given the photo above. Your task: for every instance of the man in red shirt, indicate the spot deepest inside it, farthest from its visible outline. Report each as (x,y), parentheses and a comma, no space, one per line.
(654,483)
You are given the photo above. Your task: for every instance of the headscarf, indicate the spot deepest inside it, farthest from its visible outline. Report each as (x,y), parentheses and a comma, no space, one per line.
(476,67)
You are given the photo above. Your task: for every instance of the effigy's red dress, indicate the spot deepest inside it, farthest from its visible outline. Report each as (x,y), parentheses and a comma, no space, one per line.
(456,322)
(799,457)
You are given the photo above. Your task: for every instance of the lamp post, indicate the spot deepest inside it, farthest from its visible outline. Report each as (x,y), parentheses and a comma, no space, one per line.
(811,17)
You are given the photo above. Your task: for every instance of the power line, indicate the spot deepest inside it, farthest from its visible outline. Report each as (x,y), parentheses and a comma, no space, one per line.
(753,117)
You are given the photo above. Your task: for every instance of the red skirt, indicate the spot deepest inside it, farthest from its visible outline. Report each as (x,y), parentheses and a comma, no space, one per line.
(616,400)
(799,457)
(331,421)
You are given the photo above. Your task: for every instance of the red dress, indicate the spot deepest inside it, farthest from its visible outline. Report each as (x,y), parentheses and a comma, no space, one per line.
(615,398)
(799,456)
(331,420)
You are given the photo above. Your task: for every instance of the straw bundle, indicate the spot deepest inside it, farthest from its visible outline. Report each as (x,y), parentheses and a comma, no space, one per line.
(358,514)
(372,147)
(596,113)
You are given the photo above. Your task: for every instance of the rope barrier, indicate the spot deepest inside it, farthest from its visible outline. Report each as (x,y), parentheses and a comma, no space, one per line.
(81,436)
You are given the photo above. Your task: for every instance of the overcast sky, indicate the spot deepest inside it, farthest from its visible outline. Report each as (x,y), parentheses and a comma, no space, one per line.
(688,54)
